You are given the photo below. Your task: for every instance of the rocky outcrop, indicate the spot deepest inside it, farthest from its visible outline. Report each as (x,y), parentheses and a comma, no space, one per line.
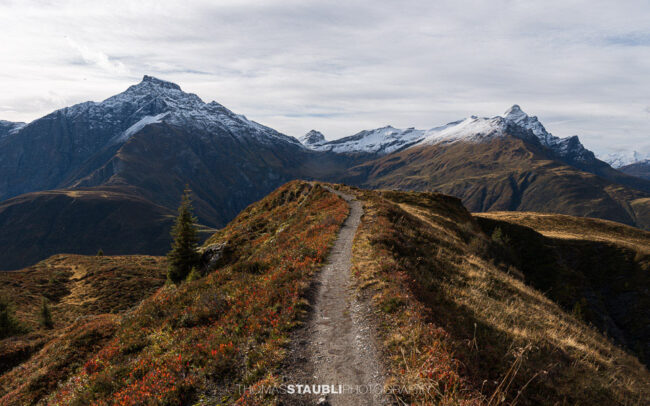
(210,256)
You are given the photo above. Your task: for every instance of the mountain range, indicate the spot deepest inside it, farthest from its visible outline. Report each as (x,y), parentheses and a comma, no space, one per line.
(74,179)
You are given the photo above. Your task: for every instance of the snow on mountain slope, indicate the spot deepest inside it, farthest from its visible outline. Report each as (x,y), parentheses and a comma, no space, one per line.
(474,129)
(154,101)
(145,121)
(513,122)
(9,127)
(620,159)
(313,137)
(380,141)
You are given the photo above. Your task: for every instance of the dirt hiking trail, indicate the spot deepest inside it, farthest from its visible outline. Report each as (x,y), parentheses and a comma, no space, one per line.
(336,346)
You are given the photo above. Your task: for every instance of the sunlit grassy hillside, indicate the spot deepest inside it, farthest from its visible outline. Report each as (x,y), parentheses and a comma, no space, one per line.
(458,320)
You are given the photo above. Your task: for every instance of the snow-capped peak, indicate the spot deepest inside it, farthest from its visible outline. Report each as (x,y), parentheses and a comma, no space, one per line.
(514,122)
(146,79)
(153,100)
(313,137)
(379,141)
(514,112)
(517,116)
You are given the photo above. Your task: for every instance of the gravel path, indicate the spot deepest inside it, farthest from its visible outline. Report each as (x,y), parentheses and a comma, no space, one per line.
(336,347)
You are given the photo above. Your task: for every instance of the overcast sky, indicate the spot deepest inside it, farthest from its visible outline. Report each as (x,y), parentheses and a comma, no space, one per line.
(583,67)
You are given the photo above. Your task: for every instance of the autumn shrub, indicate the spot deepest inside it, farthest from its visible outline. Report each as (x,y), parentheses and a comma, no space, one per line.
(253,267)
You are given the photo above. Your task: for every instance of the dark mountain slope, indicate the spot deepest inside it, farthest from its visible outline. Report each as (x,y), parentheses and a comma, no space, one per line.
(37,225)
(9,127)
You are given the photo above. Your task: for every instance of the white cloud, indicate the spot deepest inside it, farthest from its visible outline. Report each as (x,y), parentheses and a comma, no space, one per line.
(582,66)
(98,59)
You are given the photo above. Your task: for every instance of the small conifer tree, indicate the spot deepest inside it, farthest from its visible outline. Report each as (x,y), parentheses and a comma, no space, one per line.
(45,315)
(183,255)
(100,253)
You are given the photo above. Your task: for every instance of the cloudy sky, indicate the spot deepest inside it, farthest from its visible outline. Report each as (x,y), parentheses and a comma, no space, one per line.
(583,67)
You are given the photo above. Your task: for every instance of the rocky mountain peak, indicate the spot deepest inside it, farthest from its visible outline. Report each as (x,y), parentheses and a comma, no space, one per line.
(313,137)
(514,111)
(516,115)
(146,79)
(151,88)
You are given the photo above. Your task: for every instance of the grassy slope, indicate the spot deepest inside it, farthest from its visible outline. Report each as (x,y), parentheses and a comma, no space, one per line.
(570,227)
(85,294)
(596,269)
(454,321)
(198,341)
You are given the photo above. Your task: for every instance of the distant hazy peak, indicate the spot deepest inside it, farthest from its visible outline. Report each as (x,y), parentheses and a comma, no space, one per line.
(313,137)
(619,159)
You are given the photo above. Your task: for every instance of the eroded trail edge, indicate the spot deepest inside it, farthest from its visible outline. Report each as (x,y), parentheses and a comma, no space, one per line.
(336,347)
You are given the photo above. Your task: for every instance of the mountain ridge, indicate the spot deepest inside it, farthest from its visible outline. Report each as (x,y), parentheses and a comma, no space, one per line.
(143,146)
(388,139)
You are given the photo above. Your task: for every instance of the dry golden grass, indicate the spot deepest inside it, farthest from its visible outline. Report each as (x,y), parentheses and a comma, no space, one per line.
(86,294)
(577,228)
(82,285)
(454,320)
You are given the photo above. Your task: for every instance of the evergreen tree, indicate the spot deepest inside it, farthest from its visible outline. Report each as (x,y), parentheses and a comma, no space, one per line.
(100,253)
(45,315)
(184,254)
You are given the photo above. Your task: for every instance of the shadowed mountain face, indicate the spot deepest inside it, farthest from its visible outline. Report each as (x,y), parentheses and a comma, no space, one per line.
(41,224)
(128,158)
(89,143)
(597,269)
